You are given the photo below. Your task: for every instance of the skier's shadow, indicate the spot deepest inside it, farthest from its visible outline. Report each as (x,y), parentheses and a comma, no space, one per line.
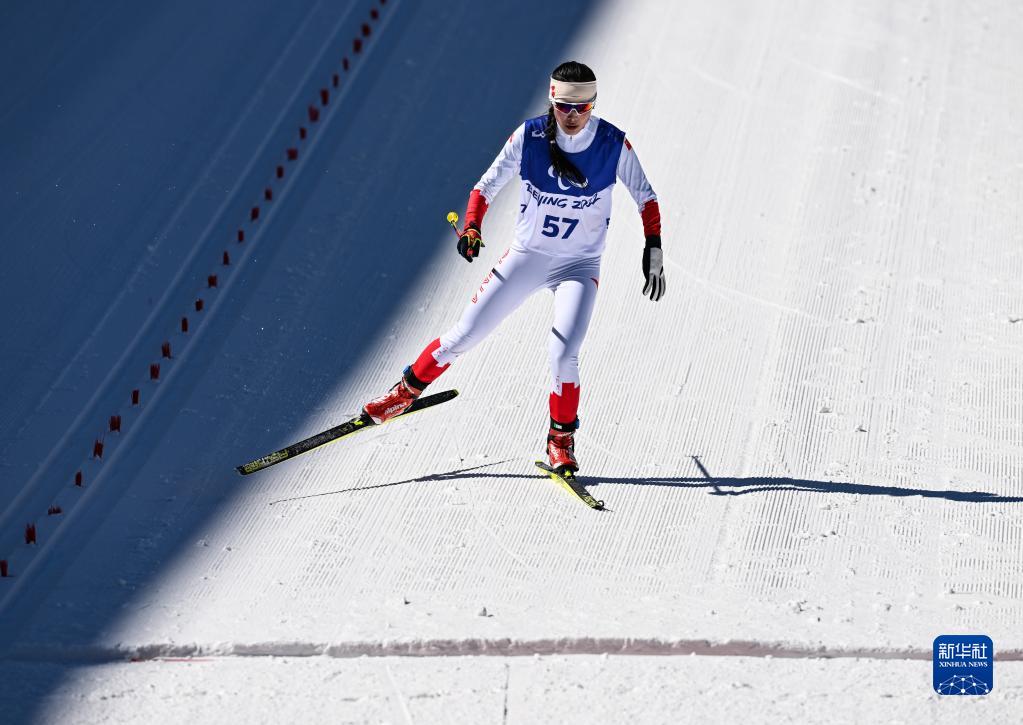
(719,486)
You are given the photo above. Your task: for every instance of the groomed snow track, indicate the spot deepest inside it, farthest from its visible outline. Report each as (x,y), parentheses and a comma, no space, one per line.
(811,449)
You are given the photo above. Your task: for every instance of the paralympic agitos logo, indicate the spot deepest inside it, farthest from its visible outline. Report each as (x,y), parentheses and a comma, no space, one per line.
(562,185)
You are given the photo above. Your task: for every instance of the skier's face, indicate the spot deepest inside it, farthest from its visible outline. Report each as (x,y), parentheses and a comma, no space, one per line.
(573,121)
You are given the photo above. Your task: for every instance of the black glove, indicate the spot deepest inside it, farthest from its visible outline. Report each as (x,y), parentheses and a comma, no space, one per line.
(653,268)
(470,241)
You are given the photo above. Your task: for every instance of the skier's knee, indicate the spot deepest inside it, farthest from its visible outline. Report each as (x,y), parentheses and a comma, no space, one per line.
(564,366)
(561,355)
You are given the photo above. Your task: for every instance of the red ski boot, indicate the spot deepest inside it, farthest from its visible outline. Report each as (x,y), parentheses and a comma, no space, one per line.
(394,403)
(561,450)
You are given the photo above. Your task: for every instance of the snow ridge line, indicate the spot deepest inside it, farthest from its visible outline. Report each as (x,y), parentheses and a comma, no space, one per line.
(30,555)
(472,647)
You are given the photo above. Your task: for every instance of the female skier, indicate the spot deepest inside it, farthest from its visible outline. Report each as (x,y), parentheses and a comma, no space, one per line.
(568,160)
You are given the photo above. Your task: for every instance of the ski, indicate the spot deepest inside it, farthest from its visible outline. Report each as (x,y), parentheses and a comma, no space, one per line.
(571,484)
(360,422)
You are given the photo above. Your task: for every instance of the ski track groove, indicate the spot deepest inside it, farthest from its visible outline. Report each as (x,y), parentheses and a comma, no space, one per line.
(498,647)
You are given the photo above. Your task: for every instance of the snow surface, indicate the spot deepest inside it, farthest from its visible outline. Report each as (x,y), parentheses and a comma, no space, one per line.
(498,690)
(811,447)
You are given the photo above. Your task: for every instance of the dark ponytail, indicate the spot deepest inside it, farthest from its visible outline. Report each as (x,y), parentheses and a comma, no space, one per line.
(571,72)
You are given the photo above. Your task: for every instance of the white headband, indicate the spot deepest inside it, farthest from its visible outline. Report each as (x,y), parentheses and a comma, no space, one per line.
(568,92)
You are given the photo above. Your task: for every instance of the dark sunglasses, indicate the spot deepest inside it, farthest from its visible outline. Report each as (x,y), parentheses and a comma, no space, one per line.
(579,108)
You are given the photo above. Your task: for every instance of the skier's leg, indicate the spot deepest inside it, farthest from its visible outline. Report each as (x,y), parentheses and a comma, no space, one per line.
(573,307)
(515,276)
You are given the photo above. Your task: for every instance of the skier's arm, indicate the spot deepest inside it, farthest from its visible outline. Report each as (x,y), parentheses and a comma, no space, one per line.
(630,171)
(505,166)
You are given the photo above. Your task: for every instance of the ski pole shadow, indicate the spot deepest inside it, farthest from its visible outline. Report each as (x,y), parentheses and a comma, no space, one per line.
(461,473)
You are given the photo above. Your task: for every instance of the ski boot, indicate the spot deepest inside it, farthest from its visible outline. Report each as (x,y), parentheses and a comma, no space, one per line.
(396,401)
(561,446)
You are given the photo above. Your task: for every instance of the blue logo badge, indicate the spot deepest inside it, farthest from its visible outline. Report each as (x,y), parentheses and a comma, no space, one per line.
(964,664)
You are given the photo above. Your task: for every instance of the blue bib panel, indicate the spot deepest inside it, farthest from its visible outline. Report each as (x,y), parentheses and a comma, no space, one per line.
(598,163)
